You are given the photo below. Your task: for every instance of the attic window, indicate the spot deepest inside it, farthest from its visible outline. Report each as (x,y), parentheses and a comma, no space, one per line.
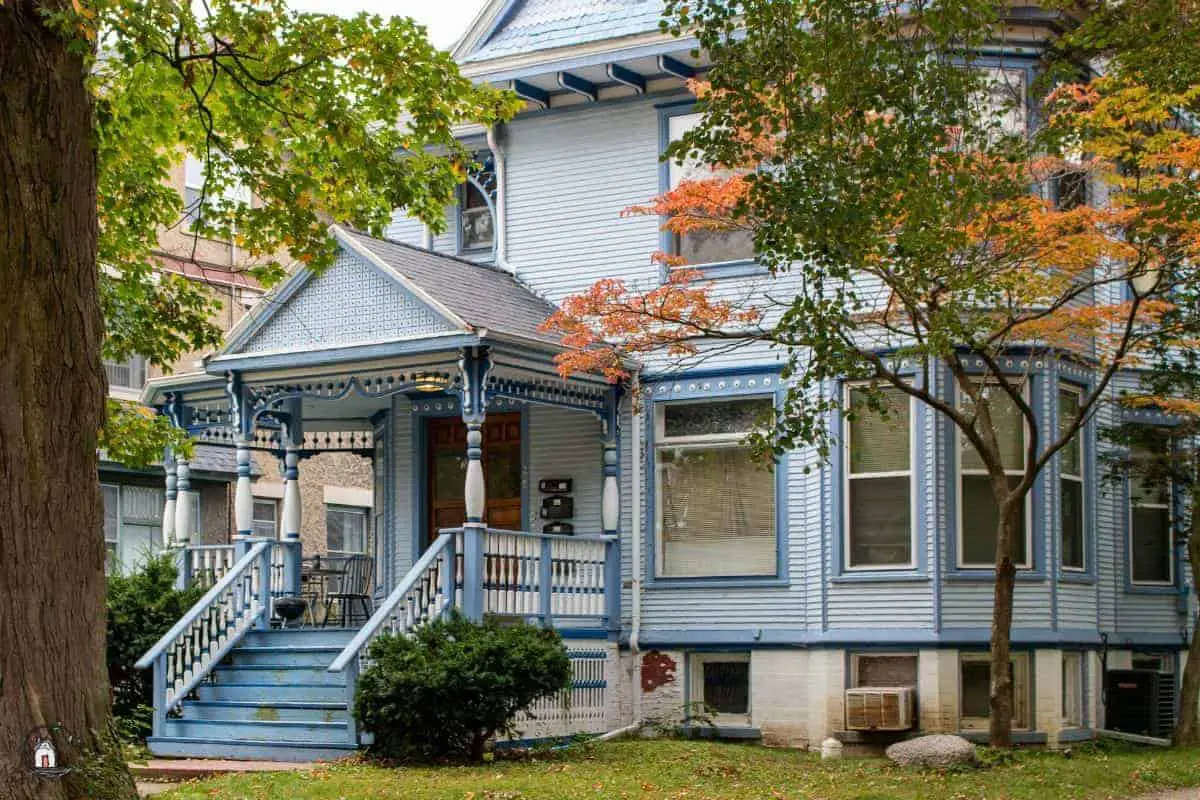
(475,222)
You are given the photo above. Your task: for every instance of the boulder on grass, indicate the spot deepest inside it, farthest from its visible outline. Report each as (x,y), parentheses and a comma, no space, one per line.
(938,750)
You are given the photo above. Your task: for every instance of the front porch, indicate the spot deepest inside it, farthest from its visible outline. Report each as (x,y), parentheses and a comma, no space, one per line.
(496,493)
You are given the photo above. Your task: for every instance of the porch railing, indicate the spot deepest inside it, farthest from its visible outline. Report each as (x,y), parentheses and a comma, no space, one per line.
(205,564)
(186,654)
(548,576)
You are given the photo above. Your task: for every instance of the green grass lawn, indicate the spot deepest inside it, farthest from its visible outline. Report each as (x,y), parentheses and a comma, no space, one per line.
(699,770)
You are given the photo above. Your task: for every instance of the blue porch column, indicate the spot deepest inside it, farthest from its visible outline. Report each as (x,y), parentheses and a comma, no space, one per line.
(474,366)
(610,510)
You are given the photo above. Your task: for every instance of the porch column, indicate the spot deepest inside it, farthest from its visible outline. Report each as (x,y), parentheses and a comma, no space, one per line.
(290,541)
(243,503)
(185,517)
(168,519)
(474,366)
(610,510)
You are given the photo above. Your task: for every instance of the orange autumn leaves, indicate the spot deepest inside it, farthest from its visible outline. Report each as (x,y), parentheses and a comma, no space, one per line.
(1037,273)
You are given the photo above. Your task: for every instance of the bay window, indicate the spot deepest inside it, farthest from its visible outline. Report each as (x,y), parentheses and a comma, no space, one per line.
(1150,539)
(1070,468)
(715,501)
(979,515)
(878,487)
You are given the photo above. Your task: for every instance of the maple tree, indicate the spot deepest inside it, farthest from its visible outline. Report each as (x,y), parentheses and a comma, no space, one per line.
(927,221)
(318,118)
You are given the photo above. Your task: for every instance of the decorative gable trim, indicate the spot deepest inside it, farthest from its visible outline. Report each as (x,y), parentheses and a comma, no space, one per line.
(489,19)
(354,245)
(263,311)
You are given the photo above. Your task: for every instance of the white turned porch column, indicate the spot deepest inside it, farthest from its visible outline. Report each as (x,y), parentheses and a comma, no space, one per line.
(610,499)
(243,504)
(291,493)
(474,492)
(168,519)
(185,504)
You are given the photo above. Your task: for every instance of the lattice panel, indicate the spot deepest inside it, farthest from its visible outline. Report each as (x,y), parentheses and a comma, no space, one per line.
(352,303)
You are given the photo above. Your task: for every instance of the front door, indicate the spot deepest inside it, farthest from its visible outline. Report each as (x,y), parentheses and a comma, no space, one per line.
(446,469)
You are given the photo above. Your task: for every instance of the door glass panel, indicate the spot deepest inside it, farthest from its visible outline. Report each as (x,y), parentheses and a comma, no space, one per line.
(449,475)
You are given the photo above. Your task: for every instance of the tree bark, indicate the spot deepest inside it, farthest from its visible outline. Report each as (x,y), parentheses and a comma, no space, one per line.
(1187,727)
(1000,699)
(52,667)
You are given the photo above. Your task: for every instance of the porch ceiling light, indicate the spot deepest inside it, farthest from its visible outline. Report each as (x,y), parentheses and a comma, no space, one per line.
(429,382)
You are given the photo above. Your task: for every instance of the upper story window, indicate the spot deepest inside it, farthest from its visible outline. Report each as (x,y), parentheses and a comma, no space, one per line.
(879,486)
(345,530)
(1150,539)
(1002,102)
(702,247)
(194,178)
(127,374)
(476,229)
(979,516)
(715,502)
(1070,470)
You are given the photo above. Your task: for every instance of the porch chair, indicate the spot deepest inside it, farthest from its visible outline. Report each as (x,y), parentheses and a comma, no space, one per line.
(354,584)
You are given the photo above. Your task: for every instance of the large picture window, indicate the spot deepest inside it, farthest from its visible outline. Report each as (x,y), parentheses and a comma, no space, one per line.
(979,516)
(133,525)
(1071,498)
(878,453)
(702,247)
(1150,540)
(715,501)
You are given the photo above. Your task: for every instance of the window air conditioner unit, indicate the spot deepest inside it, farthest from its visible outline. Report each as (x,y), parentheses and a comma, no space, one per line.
(872,708)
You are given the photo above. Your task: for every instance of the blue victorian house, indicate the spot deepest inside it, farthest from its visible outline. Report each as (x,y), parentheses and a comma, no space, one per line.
(678,572)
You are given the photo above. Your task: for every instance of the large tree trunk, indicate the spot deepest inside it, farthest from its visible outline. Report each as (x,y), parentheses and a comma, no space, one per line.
(1187,727)
(52,669)
(1000,701)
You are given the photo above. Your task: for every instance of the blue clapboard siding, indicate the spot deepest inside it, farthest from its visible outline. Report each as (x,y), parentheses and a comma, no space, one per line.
(406,492)
(569,177)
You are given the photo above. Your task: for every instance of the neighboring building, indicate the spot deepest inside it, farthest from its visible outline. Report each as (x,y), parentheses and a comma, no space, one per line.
(765,596)
(133,499)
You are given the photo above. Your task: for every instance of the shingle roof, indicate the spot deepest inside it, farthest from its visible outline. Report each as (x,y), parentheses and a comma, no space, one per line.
(482,296)
(544,24)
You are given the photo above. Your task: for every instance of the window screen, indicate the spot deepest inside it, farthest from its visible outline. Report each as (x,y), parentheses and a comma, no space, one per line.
(879,480)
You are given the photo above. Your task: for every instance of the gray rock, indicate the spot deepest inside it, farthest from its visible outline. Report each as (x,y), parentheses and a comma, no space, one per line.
(937,750)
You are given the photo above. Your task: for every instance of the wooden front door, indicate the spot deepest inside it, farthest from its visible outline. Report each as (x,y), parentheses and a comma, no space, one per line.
(446,471)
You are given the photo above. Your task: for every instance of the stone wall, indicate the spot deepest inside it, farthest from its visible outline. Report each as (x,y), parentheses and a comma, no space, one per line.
(320,478)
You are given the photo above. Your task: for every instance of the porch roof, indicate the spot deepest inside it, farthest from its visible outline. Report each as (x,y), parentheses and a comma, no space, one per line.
(388,296)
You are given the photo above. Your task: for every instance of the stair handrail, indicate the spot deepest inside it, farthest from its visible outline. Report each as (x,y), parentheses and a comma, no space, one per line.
(206,638)
(387,609)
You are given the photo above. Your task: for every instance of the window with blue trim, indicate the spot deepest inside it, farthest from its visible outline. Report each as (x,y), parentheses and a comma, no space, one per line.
(1150,538)
(979,516)
(879,480)
(1071,492)
(702,247)
(476,229)
(715,502)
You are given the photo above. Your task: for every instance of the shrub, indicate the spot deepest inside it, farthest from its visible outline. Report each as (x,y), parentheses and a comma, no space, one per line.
(452,685)
(142,606)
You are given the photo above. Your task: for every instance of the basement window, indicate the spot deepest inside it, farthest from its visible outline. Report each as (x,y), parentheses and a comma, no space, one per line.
(975,686)
(884,670)
(720,687)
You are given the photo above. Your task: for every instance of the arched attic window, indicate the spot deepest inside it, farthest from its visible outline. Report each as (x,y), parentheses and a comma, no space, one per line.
(477,210)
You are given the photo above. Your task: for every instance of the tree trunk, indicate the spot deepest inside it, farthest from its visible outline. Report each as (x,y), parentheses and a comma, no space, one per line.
(52,668)
(1187,727)
(1000,700)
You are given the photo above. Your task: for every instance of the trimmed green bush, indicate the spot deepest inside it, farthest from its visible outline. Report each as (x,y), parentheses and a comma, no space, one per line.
(142,606)
(451,686)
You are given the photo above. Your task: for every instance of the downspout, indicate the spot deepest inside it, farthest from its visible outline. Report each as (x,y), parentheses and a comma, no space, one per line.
(495,140)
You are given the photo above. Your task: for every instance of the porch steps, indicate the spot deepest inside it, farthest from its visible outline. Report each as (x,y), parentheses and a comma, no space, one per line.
(270,698)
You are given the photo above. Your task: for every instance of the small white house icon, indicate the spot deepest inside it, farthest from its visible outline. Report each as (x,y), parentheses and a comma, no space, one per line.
(44,756)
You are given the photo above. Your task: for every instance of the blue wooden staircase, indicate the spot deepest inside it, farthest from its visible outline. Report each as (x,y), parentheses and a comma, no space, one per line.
(271,697)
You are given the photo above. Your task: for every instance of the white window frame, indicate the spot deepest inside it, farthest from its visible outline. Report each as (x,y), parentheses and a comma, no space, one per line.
(1130,506)
(254,518)
(359,511)
(910,473)
(1073,665)
(706,441)
(132,362)
(856,660)
(1078,442)
(674,167)
(959,472)
(695,665)
(1022,691)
